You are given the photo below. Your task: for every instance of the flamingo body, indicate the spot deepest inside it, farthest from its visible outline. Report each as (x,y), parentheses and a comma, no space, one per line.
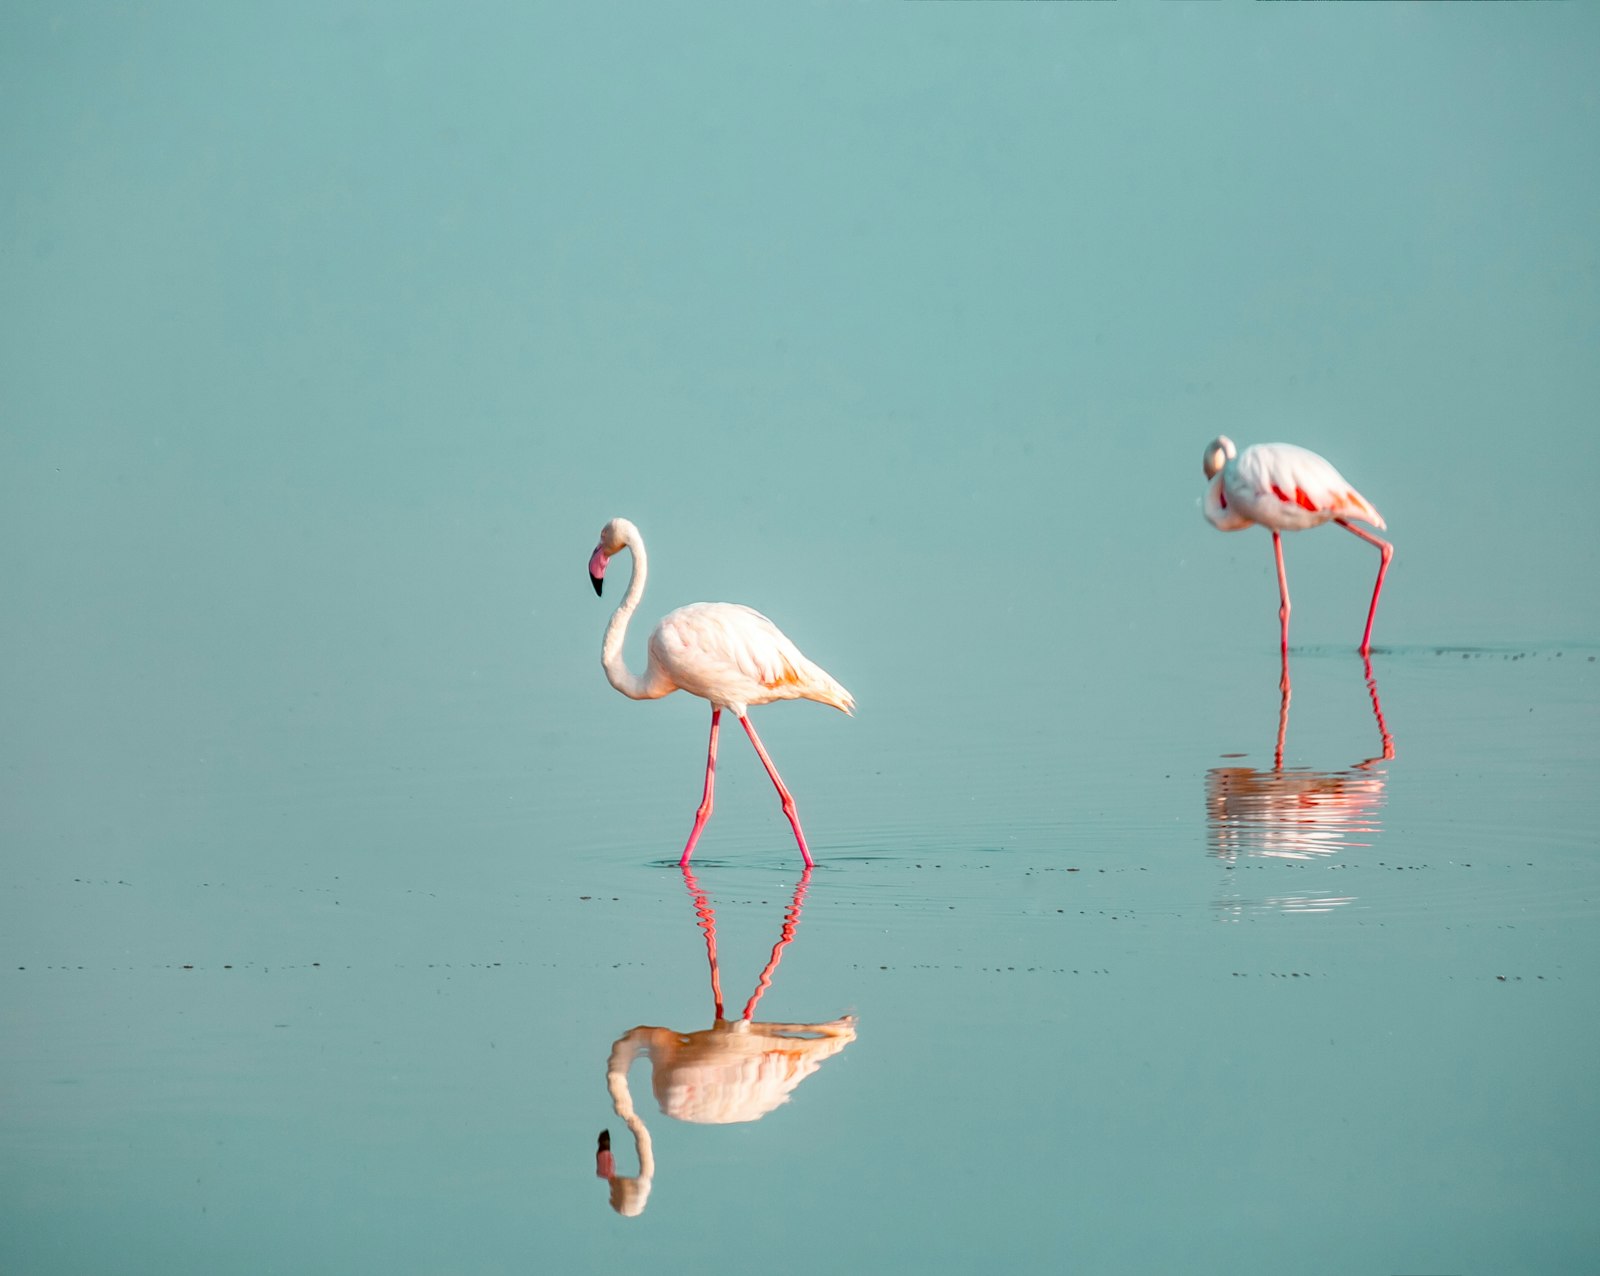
(735,657)
(725,653)
(1285,488)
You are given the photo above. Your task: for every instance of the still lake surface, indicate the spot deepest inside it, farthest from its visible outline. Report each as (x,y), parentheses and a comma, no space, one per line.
(336,875)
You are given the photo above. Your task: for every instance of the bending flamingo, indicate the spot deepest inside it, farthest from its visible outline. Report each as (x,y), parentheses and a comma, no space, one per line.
(1287,489)
(730,655)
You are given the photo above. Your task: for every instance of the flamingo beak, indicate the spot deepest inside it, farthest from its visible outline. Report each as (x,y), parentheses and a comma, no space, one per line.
(597,569)
(605,1167)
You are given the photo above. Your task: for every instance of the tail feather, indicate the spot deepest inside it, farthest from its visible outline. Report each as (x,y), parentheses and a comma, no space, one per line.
(799,678)
(1354,505)
(821,687)
(830,692)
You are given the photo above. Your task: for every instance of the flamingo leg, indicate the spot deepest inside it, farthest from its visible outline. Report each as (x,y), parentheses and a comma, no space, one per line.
(1283,720)
(1377,712)
(1283,608)
(706,919)
(791,922)
(1387,552)
(788,802)
(704,813)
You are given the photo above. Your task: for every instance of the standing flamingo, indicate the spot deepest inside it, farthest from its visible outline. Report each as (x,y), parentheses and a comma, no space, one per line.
(1287,489)
(732,656)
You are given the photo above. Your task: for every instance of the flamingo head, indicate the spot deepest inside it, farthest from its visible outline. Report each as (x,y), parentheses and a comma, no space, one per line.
(1218,453)
(613,536)
(628,1196)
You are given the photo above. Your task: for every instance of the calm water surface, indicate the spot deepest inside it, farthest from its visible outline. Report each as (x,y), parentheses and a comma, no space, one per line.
(341,910)
(1162,1009)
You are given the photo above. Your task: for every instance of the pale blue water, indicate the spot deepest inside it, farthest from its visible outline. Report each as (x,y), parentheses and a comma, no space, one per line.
(333,334)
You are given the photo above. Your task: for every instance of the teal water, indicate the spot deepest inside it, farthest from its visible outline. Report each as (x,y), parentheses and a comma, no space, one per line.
(333,334)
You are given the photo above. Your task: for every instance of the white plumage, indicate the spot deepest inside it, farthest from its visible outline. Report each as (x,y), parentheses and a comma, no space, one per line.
(1280,486)
(1287,489)
(735,657)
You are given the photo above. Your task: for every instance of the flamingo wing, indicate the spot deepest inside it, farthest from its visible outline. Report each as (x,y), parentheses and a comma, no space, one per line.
(729,654)
(1305,486)
(725,638)
(734,656)
(1215,507)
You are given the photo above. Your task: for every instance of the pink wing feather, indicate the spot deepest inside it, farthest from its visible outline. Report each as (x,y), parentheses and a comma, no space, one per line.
(1306,487)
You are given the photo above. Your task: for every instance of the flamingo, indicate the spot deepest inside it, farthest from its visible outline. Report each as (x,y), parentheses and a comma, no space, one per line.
(1287,489)
(735,1070)
(726,653)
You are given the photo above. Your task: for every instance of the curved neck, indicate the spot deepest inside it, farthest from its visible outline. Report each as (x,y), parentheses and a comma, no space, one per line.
(618,673)
(622,1104)
(628,1195)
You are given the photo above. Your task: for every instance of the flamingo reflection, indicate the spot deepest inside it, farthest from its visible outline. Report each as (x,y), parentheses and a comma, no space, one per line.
(735,1070)
(1297,813)
(1386,740)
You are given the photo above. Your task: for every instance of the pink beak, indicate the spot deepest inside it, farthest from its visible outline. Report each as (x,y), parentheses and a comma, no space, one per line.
(605,1166)
(597,568)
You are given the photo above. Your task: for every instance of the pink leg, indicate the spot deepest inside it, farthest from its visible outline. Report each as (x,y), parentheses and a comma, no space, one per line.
(1283,609)
(704,813)
(788,802)
(1387,550)
(707,921)
(1377,712)
(791,922)
(1283,720)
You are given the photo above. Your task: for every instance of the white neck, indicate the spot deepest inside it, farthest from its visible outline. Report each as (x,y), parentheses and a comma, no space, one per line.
(628,1195)
(617,673)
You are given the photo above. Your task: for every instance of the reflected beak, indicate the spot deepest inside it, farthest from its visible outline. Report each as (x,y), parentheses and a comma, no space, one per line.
(597,570)
(604,1166)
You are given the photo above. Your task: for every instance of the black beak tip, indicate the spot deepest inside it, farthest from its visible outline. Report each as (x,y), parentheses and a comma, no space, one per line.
(597,582)
(605,1141)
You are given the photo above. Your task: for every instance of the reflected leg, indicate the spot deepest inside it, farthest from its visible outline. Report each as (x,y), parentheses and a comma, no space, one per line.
(791,923)
(1377,712)
(706,919)
(1283,718)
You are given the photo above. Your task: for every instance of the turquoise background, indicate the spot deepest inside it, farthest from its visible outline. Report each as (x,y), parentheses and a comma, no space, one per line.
(332,334)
